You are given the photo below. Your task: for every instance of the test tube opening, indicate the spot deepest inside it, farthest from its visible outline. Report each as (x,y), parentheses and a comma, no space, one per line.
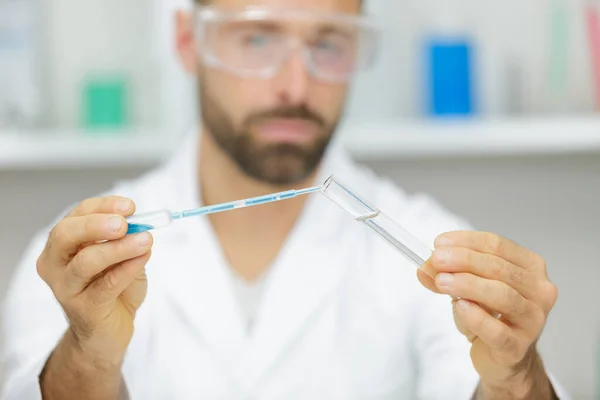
(350,201)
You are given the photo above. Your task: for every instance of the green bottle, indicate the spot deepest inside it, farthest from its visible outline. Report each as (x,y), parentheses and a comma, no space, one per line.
(105,103)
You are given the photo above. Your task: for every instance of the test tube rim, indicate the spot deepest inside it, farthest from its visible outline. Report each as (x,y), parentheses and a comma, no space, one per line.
(364,202)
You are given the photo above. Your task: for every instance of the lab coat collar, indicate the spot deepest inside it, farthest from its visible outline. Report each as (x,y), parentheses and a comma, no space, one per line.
(197,283)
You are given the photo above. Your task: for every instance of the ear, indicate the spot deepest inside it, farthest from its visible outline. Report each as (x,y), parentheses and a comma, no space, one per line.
(185,41)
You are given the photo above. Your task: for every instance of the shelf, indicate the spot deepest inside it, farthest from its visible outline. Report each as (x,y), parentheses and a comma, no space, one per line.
(45,150)
(365,141)
(473,139)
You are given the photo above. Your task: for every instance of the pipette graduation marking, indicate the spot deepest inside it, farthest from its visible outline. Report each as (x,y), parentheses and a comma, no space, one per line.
(159,219)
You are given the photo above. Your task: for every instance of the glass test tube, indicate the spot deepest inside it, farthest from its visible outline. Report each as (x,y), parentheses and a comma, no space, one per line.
(363,211)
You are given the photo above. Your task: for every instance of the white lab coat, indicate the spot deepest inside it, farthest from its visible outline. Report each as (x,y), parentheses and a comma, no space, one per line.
(342,316)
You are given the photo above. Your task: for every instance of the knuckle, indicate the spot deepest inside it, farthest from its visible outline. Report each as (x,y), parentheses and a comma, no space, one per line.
(40,267)
(59,236)
(79,265)
(515,274)
(466,257)
(78,209)
(517,309)
(101,256)
(495,270)
(84,207)
(550,293)
(514,301)
(494,242)
(541,262)
(110,202)
(110,281)
(49,241)
(490,289)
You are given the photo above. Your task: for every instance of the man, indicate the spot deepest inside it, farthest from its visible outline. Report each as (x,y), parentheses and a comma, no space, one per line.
(291,300)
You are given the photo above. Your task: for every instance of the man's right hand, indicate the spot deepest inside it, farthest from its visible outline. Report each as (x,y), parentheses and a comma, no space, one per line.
(97,274)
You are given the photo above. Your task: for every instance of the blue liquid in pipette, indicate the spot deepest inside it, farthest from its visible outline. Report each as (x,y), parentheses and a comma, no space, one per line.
(138,228)
(246,203)
(141,227)
(204,211)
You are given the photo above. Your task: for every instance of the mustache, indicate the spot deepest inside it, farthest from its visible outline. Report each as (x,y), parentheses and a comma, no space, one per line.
(299,112)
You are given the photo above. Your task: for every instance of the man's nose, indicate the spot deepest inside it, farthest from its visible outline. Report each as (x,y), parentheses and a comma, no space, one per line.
(291,83)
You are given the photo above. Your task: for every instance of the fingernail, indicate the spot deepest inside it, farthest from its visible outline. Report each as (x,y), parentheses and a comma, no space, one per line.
(443,241)
(142,239)
(123,206)
(445,279)
(443,255)
(115,224)
(463,304)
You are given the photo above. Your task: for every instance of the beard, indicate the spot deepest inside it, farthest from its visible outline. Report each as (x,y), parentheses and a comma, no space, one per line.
(278,164)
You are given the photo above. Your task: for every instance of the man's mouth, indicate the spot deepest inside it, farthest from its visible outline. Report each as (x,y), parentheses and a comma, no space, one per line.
(287,130)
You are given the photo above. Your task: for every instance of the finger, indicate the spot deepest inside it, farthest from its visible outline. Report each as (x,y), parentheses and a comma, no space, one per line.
(460,325)
(109,286)
(490,243)
(489,266)
(94,260)
(104,205)
(70,234)
(494,295)
(427,281)
(501,339)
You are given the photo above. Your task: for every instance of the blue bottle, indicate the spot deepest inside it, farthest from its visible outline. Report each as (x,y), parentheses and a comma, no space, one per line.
(449,77)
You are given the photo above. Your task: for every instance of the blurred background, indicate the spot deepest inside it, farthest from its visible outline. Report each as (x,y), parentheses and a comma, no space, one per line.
(491,107)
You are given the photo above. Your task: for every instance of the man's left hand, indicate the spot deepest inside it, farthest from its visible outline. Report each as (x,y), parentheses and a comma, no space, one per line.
(487,274)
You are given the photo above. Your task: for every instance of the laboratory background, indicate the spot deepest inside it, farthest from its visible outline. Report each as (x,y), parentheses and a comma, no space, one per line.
(491,107)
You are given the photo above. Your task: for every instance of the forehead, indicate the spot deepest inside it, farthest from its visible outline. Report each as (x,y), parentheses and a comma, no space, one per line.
(318,6)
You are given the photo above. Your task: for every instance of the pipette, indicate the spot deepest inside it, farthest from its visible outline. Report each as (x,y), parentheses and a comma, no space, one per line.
(159,219)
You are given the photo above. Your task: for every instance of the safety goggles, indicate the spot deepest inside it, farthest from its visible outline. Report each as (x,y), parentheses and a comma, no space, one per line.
(257,42)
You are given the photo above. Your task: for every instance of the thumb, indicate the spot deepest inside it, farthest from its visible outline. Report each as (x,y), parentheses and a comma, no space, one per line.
(426,275)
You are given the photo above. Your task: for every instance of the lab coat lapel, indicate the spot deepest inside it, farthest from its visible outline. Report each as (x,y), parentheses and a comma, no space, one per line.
(195,282)
(304,274)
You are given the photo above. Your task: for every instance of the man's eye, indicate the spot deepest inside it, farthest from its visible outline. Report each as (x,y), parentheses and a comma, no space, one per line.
(328,46)
(257,40)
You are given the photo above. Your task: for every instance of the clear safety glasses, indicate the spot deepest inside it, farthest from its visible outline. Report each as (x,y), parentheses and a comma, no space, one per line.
(257,42)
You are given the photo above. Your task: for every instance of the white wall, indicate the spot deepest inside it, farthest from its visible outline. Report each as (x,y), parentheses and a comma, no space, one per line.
(89,38)
(547,204)
(505,32)
(136,37)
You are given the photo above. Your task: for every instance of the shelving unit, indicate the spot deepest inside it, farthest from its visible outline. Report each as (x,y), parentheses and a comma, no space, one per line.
(52,149)
(457,138)
(365,141)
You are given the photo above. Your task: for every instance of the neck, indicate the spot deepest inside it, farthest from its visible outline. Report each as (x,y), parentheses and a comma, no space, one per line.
(250,237)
